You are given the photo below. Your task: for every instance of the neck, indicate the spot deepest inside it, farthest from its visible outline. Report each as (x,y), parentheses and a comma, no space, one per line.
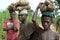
(47,29)
(12,20)
(23,21)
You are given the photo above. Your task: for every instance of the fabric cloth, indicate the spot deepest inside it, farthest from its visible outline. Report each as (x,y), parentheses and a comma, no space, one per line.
(52,14)
(11,34)
(26,29)
(24,11)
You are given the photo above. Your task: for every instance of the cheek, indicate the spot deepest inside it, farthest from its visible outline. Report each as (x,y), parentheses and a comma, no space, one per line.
(12,15)
(22,17)
(45,24)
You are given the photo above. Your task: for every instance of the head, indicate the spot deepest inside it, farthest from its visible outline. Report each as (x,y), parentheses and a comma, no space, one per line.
(22,15)
(12,11)
(46,21)
(12,15)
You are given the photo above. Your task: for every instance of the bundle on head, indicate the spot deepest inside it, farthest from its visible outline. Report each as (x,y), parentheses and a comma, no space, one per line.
(47,2)
(42,7)
(22,3)
(19,8)
(22,7)
(11,7)
(47,6)
(50,5)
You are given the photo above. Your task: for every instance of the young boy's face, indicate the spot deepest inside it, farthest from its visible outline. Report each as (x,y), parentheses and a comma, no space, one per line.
(22,17)
(46,22)
(12,15)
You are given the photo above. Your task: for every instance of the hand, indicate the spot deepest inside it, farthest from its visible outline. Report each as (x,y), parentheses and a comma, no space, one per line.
(10,25)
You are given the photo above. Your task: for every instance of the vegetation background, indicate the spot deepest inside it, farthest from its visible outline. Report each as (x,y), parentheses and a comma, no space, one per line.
(5,15)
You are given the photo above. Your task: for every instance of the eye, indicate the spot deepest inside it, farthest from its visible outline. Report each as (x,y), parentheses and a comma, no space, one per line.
(45,22)
(20,15)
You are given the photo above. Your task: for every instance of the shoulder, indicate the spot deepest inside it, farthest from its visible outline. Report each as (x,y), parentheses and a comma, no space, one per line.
(6,20)
(55,34)
(29,23)
(16,20)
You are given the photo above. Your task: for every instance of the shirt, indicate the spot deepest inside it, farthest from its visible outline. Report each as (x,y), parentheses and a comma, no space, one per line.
(11,34)
(26,29)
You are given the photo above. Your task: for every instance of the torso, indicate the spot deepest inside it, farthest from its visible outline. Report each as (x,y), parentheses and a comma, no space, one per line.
(11,34)
(47,35)
(44,35)
(27,28)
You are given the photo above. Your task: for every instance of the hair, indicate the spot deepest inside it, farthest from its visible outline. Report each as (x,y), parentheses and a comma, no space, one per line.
(46,16)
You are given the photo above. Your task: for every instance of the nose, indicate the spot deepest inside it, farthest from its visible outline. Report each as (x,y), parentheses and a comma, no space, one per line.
(45,23)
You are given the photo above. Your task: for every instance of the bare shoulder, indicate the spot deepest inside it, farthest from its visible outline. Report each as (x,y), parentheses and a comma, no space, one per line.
(56,35)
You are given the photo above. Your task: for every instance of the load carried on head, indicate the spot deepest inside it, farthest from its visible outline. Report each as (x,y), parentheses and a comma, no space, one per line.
(22,4)
(48,5)
(11,7)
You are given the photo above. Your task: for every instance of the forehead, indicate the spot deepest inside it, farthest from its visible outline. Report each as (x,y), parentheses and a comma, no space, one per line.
(21,14)
(13,13)
(46,19)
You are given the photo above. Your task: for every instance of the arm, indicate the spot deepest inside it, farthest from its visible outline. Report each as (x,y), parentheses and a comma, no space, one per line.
(37,28)
(15,29)
(16,25)
(21,35)
(5,28)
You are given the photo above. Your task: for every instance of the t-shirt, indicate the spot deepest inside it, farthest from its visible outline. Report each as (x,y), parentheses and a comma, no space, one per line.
(26,29)
(11,34)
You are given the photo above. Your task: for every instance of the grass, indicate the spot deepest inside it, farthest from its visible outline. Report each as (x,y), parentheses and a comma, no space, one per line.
(5,15)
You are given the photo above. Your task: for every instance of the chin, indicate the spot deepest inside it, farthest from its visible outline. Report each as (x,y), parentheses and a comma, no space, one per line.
(46,28)
(21,20)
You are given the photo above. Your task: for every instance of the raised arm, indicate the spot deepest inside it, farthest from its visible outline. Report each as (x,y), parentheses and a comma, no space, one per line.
(5,27)
(36,25)
(16,25)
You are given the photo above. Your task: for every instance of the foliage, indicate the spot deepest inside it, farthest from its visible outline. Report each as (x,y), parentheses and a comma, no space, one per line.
(5,15)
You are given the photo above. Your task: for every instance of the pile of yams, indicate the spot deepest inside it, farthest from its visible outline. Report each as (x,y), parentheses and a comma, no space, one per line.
(48,5)
(20,5)
(24,4)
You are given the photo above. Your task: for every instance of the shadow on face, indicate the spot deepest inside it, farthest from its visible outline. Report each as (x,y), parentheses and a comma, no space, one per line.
(22,17)
(12,15)
(46,22)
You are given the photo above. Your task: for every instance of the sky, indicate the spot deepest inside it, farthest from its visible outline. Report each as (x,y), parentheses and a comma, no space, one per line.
(5,3)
